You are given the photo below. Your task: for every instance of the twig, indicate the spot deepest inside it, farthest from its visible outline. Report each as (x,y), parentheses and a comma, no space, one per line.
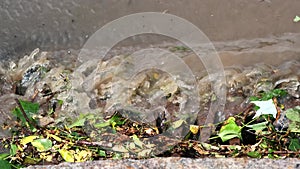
(25,115)
(51,95)
(285,152)
(93,144)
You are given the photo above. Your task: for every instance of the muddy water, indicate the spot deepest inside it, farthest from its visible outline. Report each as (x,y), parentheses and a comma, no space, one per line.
(278,57)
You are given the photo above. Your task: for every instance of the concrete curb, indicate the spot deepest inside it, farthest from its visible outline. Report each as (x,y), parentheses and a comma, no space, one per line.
(176,162)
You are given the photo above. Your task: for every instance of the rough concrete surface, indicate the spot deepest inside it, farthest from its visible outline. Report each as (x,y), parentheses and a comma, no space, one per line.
(180,163)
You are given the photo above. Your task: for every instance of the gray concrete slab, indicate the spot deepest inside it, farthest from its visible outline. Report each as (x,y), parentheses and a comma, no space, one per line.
(176,162)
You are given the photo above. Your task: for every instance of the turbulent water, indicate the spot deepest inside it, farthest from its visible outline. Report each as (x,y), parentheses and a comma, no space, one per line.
(89,89)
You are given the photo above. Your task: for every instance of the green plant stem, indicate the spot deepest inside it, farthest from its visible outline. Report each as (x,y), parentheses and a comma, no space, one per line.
(25,115)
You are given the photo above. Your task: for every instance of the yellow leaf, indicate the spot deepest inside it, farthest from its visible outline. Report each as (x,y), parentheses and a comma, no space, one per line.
(83,155)
(194,129)
(49,158)
(46,156)
(66,155)
(20,148)
(54,137)
(28,139)
(156,130)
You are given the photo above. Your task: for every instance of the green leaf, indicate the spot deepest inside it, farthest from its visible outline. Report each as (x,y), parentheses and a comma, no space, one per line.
(117,120)
(296,19)
(60,102)
(270,150)
(271,156)
(227,136)
(294,127)
(13,149)
(230,130)
(3,156)
(81,120)
(254,154)
(30,107)
(258,127)
(5,164)
(101,125)
(66,155)
(263,145)
(177,123)
(269,95)
(294,145)
(42,144)
(117,156)
(30,110)
(102,153)
(293,114)
(253,98)
(78,123)
(273,93)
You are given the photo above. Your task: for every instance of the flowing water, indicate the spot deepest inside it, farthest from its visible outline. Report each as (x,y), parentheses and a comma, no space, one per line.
(97,89)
